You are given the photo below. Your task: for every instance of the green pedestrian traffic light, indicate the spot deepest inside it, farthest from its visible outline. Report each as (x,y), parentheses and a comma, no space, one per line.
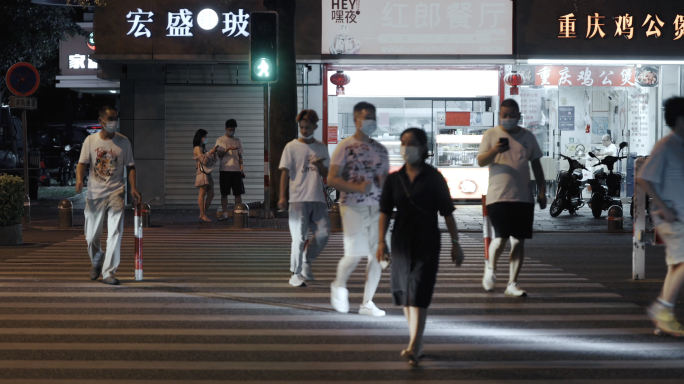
(263,42)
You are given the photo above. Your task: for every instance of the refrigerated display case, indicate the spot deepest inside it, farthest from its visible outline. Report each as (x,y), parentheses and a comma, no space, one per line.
(457,161)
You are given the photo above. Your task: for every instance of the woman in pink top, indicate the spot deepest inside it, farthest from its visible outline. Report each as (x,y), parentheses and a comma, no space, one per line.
(203,180)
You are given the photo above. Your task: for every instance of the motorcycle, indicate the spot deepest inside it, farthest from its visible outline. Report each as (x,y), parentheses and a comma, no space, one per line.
(568,193)
(605,196)
(68,158)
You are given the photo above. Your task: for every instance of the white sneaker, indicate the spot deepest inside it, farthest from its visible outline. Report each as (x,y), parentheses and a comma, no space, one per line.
(489,278)
(369,309)
(297,280)
(514,290)
(306,272)
(339,298)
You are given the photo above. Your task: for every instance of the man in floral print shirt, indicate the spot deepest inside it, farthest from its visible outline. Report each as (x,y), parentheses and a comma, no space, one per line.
(358,168)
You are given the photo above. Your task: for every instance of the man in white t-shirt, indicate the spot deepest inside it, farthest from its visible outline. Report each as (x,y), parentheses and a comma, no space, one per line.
(358,169)
(231,170)
(107,152)
(304,164)
(508,149)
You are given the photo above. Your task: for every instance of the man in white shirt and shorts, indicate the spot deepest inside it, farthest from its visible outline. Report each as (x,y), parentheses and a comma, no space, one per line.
(662,178)
(107,152)
(231,169)
(508,149)
(358,169)
(304,164)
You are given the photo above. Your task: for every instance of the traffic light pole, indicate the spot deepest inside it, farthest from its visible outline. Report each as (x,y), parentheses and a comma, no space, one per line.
(267,164)
(26,154)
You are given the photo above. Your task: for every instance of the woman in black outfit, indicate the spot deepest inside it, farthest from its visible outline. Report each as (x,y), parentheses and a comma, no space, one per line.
(419,192)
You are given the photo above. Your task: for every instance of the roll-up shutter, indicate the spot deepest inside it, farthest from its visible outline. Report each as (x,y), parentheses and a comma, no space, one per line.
(300,98)
(189,108)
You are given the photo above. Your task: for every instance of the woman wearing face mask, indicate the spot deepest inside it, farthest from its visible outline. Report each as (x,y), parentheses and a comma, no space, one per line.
(419,192)
(203,180)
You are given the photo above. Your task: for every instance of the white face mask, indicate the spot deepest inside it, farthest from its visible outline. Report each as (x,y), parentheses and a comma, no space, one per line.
(509,124)
(206,139)
(230,133)
(111,126)
(411,155)
(369,126)
(307,137)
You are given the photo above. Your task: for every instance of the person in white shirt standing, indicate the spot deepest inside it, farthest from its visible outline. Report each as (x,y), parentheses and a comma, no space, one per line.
(107,152)
(509,150)
(304,164)
(231,170)
(358,169)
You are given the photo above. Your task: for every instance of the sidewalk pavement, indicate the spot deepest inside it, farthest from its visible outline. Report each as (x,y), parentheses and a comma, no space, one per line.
(468,217)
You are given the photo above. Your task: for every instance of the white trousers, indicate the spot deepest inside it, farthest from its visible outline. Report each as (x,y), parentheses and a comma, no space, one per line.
(305,216)
(95,210)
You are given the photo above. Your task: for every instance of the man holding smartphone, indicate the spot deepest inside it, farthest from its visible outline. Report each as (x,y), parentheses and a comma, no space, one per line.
(231,169)
(507,149)
(304,164)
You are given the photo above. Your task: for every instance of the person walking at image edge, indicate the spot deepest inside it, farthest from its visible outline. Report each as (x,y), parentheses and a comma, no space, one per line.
(107,152)
(358,168)
(507,149)
(231,171)
(204,164)
(419,192)
(662,178)
(304,164)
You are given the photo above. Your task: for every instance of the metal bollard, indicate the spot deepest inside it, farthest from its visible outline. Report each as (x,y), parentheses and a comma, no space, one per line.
(66,214)
(27,210)
(615,219)
(241,216)
(146,215)
(138,226)
(335,217)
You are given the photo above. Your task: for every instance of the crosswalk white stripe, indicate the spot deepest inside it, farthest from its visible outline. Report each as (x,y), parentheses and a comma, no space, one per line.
(118,292)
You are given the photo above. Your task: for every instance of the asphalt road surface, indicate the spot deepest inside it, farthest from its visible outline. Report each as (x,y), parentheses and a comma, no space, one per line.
(216,307)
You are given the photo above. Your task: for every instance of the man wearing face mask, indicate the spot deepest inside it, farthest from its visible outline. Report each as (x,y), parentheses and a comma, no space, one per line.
(304,164)
(358,169)
(231,170)
(107,153)
(507,149)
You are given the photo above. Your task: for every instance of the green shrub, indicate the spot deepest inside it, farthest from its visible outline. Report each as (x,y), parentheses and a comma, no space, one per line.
(11,199)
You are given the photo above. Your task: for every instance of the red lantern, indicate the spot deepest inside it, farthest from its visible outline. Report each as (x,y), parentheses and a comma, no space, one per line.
(340,79)
(514,79)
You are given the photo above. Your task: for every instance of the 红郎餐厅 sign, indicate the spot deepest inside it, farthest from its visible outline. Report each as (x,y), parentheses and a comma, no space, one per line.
(600,29)
(417,27)
(187,29)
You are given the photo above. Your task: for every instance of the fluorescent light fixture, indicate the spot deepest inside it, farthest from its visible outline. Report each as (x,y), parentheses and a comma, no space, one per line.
(420,83)
(112,91)
(207,19)
(601,62)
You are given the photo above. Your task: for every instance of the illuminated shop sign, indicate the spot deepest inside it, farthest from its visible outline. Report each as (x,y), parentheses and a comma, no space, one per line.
(624,26)
(182,23)
(584,76)
(79,61)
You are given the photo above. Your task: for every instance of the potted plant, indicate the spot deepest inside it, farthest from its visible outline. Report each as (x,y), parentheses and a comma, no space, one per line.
(11,209)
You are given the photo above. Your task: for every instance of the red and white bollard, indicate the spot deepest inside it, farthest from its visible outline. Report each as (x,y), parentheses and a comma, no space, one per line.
(487,229)
(138,229)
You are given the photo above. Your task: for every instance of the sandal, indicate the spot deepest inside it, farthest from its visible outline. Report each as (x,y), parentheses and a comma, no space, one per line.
(204,218)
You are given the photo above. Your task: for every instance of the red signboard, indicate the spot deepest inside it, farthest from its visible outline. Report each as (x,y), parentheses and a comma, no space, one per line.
(457,119)
(589,76)
(332,134)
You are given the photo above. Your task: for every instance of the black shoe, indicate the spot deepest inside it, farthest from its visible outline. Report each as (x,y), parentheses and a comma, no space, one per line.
(95,272)
(111,280)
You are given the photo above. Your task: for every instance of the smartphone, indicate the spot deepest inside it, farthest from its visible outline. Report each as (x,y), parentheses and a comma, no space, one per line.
(503,141)
(386,261)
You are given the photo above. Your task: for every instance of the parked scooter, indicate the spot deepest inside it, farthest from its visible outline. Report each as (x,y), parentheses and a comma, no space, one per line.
(605,196)
(569,191)
(648,199)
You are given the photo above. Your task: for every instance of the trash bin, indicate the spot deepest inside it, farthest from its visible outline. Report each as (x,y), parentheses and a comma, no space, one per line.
(241,216)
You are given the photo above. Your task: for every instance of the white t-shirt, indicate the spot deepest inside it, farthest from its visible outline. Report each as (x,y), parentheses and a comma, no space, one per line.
(107,159)
(359,162)
(509,172)
(306,184)
(665,170)
(610,150)
(230,161)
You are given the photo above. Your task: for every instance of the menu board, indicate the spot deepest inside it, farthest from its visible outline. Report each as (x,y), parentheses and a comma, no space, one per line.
(638,121)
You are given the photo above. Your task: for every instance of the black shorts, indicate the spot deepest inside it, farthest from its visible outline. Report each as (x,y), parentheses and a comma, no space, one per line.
(512,219)
(231,181)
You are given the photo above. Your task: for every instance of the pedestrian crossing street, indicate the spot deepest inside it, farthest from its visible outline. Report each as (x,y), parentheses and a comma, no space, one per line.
(216,306)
